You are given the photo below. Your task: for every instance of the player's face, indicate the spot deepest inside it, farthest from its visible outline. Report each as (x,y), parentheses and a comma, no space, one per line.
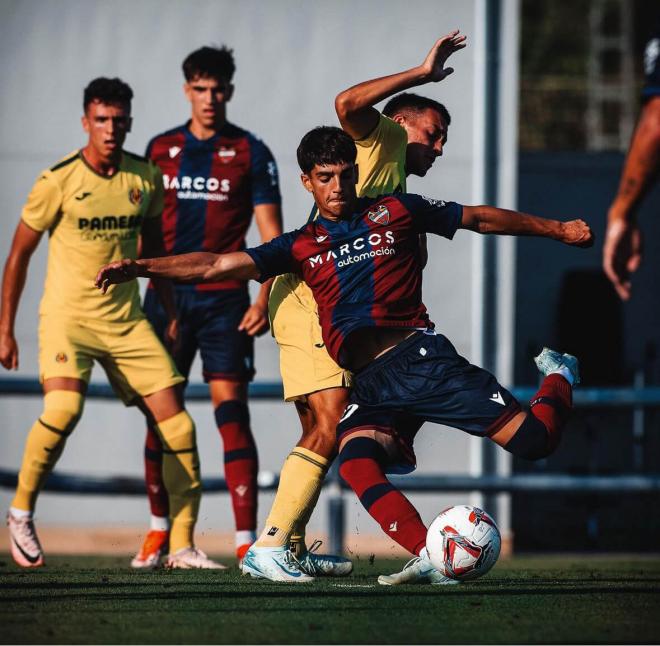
(107,127)
(208,98)
(427,135)
(333,188)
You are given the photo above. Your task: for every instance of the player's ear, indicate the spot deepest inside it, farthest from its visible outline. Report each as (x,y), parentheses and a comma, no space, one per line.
(85,122)
(400,119)
(129,124)
(187,90)
(306,182)
(229,92)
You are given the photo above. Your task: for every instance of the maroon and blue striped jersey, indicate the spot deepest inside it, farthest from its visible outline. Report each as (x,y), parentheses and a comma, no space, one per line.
(364,271)
(211,189)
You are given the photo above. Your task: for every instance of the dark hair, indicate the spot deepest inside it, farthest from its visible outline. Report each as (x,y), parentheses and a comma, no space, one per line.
(109,91)
(325,145)
(409,103)
(210,62)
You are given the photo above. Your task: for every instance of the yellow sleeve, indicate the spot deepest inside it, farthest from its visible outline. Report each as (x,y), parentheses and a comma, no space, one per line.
(388,135)
(44,203)
(155,208)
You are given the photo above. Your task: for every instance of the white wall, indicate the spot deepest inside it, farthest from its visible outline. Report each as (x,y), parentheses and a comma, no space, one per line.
(293,57)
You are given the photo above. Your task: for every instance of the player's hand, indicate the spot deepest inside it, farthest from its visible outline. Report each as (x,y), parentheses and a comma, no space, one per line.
(255,320)
(8,351)
(622,254)
(434,63)
(120,271)
(577,233)
(172,336)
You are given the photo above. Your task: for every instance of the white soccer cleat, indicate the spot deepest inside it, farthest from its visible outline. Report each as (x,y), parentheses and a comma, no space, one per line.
(191,558)
(153,549)
(25,547)
(550,361)
(275,564)
(417,570)
(324,564)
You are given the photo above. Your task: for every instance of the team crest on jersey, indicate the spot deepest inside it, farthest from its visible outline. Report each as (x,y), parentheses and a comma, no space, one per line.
(226,154)
(380,216)
(174,151)
(61,357)
(135,196)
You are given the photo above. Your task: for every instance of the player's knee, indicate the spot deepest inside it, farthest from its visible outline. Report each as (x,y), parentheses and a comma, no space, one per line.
(531,441)
(62,410)
(355,451)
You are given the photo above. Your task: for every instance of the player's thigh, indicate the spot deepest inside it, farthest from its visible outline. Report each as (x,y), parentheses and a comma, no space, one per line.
(137,363)
(305,364)
(186,347)
(67,349)
(227,352)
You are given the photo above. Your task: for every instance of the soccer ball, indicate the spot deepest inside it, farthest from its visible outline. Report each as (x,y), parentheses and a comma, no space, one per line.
(463,542)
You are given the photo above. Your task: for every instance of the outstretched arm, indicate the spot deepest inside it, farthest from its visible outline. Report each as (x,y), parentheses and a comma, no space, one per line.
(490,219)
(354,106)
(198,267)
(622,249)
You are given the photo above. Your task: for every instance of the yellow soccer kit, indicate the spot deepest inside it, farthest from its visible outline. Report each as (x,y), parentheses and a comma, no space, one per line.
(305,364)
(93,220)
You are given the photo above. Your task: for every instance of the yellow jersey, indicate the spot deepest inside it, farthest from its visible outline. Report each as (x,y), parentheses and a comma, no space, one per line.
(92,220)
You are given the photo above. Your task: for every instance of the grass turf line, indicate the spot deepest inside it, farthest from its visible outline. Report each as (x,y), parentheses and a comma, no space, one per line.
(524,600)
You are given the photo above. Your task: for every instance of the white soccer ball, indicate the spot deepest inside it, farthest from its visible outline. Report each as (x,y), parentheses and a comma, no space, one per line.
(463,542)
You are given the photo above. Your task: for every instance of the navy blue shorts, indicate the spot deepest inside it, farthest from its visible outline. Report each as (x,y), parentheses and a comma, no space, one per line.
(424,379)
(208,321)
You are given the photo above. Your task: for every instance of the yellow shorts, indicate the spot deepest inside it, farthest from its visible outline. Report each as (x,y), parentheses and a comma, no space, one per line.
(135,361)
(305,364)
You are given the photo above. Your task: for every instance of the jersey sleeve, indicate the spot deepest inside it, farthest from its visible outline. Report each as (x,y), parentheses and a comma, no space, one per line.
(388,136)
(156,201)
(433,216)
(44,203)
(265,179)
(275,257)
(652,66)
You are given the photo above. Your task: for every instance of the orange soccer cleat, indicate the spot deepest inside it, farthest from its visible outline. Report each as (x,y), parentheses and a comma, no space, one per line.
(155,546)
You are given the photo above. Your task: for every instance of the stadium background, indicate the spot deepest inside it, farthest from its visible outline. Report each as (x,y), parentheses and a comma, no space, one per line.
(292,59)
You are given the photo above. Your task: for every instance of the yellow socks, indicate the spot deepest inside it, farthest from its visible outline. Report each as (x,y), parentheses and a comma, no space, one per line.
(301,480)
(181,477)
(45,443)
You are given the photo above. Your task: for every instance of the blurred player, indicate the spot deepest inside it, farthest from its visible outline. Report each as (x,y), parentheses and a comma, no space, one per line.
(622,249)
(361,259)
(94,203)
(404,140)
(216,176)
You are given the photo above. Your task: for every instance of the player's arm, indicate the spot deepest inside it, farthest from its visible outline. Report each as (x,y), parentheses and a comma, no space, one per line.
(622,249)
(269,222)
(152,247)
(13,280)
(354,106)
(490,219)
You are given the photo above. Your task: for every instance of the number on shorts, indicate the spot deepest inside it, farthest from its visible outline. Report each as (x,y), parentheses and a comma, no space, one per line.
(350,409)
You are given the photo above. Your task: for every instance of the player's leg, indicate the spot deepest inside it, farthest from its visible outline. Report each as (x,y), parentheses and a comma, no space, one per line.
(63,405)
(241,463)
(156,542)
(143,373)
(228,366)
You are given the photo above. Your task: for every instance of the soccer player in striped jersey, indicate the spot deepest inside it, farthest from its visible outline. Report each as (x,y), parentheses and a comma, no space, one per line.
(95,204)
(216,177)
(361,259)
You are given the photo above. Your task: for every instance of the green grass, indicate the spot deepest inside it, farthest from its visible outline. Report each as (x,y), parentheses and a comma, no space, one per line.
(525,600)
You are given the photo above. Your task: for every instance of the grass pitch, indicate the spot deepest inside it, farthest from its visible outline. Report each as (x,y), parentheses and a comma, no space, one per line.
(524,600)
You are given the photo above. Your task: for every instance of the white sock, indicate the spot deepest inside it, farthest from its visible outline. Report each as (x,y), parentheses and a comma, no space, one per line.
(245,537)
(565,373)
(160,523)
(20,513)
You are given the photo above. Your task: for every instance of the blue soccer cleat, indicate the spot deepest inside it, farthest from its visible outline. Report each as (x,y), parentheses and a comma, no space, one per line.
(275,564)
(550,361)
(324,564)
(415,571)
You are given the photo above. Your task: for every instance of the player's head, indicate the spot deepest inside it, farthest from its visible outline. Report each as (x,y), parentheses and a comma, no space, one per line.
(326,156)
(107,115)
(426,121)
(208,72)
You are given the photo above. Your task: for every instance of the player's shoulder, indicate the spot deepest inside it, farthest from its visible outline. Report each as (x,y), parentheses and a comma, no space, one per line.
(232,131)
(166,139)
(64,162)
(139,165)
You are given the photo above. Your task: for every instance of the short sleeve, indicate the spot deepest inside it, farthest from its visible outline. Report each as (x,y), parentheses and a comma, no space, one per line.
(275,257)
(263,170)
(44,203)
(433,216)
(155,208)
(652,67)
